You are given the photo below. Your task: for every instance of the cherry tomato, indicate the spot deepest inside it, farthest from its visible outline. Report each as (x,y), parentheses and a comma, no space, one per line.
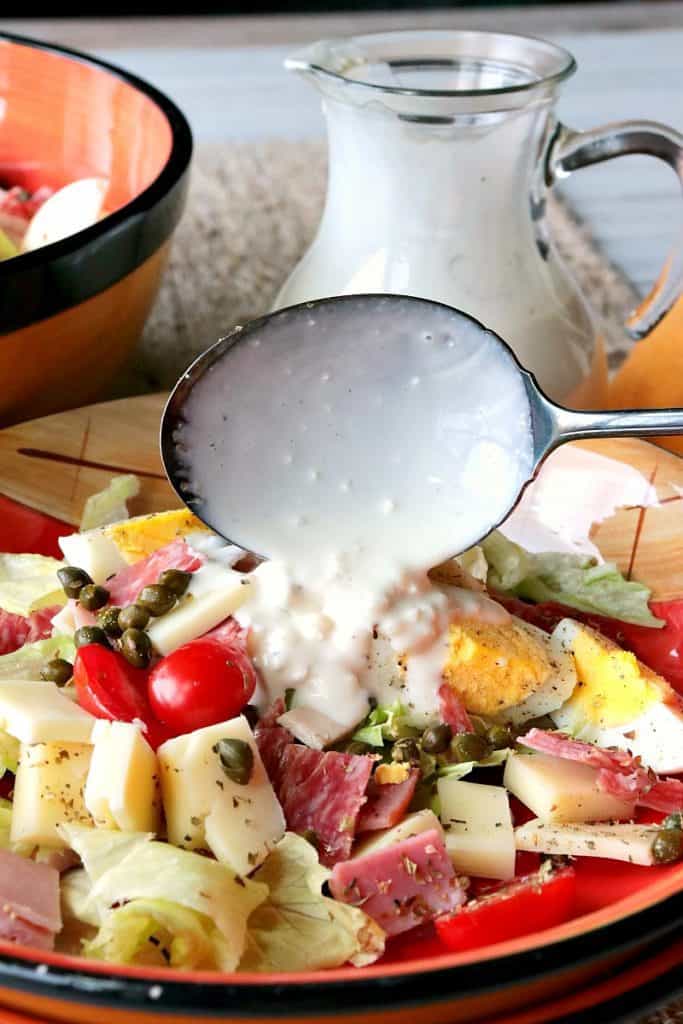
(204,682)
(525,905)
(108,687)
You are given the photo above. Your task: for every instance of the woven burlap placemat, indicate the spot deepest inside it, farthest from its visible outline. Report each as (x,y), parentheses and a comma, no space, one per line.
(252,211)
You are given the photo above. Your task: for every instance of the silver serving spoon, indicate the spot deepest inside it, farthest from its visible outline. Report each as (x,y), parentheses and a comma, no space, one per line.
(239,414)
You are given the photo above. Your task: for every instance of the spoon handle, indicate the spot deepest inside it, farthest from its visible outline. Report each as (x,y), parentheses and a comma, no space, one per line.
(572,425)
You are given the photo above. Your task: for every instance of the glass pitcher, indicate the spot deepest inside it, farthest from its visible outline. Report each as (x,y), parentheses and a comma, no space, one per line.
(442,148)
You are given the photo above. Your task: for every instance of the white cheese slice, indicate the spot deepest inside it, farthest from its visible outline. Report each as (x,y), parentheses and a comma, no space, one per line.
(122,788)
(214,593)
(312,727)
(478,827)
(64,622)
(48,791)
(204,809)
(630,843)
(94,552)
(412,825)
(37,712)
(559,790)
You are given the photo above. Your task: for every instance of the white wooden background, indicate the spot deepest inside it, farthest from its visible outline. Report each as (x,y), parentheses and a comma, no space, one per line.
(227,76)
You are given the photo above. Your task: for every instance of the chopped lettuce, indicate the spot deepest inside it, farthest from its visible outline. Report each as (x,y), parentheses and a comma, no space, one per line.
(128,866)
(27,662)
(299,929)
(9,753)
(5,823)
(384,724)
(574,580)
(28,583)
(75,891)
(7,247)
(109,505)
(459,771)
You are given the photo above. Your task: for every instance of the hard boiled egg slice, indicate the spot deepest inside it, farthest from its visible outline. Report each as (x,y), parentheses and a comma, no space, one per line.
(70,209)
(618,701)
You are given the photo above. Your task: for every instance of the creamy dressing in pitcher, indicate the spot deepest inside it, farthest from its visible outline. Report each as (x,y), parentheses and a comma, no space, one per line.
(356,467)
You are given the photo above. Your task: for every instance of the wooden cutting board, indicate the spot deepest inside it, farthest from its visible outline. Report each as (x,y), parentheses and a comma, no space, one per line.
(53,464)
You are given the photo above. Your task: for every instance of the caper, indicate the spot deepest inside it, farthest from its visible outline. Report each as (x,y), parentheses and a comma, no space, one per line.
(436,739)
(90,635)
(108,619)
(668,845)
(175,580)
(133,616)
(480,726)
(250,712)
(236,758)
(73,580)
(406,751)
(136,647)
(157,600)
(357,747)
(674,820)
(543,722)
(500,737)
(93,597)
(467,746)
(58,671)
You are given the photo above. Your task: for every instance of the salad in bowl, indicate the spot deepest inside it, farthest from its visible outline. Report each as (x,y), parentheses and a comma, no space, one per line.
(29,220)
(172,799)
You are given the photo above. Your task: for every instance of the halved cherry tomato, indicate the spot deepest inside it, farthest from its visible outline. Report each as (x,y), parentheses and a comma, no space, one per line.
(108,687)
(202,683)
(525,905)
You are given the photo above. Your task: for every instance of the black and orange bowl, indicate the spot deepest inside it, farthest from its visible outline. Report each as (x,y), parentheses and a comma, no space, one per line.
(71,312)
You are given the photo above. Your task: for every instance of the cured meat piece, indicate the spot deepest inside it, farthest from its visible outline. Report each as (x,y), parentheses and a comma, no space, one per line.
(403,885)
(29,901)
(269,719)
(387,803)
(666,795)
(17,630)
(323,792)
(125,586)
(452,710)
(272,743)
(13,929)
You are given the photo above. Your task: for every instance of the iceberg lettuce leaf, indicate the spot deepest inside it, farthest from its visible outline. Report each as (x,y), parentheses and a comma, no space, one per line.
(27,662)
(29,583)
(109,506)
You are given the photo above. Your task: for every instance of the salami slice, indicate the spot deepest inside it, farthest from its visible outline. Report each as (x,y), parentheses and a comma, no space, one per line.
(403,885)
(453,711)
(17,630)
(666,795)
(126,585)
(387,803)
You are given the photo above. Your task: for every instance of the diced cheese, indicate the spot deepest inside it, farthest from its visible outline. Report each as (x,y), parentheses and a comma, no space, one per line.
(94,552)
(204,808)
(312,727)
(122,788)
(478,827)
(214,593)
(37,712)
(630,843)
(412,825)
(48,791)
(64,622)
(559,790)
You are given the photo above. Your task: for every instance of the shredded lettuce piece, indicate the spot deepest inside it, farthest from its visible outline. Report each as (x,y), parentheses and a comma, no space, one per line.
(129,866)
(75,893)
(384,723)
(574,580)
(5,824)
(459,771)
(27,662)
(109,505)
(299,929)
(7,247)
(28,583)
(9,753)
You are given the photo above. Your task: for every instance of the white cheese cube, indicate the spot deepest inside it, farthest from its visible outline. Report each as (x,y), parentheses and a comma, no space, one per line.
(312,727)
(630,843)
(478,826)
(38,712)
(48,791)
(94,552)
(204,808)
(214,593)
(122,788)
(412,825)
(559,790)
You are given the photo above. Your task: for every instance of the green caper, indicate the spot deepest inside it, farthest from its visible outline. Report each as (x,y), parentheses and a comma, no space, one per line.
(668,845)
(136,647)
(58,671)
(108,619)
(157,600)
(480,726)
(500,737)
(93,597)
(90,635)
(543,722)
(236,758)
(357,747)
(436,738)
(133,616)
(250,712)
(73,580)
(674,820)
(467,746)
(406,751)
(175,580)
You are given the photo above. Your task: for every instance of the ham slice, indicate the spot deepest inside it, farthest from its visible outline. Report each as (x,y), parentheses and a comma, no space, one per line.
(387,803)
(619,773)
(453,711)
(403,885)
(125,586)
(17,630)
(29,901)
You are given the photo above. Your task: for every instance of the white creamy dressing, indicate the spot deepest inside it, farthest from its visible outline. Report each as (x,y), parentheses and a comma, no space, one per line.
(357,451)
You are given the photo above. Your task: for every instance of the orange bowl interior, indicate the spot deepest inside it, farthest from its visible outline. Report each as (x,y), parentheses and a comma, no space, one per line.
(62,118)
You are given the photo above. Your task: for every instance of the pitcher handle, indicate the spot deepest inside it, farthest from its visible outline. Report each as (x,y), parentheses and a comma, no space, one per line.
(569,150)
